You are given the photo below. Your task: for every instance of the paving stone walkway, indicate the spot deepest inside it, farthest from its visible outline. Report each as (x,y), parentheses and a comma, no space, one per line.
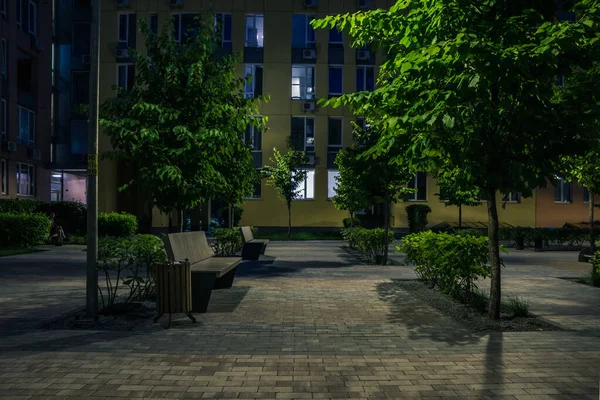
(315,324)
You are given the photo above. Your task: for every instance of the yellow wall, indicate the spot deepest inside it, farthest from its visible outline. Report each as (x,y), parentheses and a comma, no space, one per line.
(552,214)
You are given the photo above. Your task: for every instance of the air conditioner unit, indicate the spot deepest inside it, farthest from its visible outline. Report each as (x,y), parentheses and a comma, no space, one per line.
(310,3)
(176,3)
(308,106)
(121,53)
(86,59)
(310,160)
(12,147)
(363,55)
(37,154)
(309,54)
(123,3)
(363,4)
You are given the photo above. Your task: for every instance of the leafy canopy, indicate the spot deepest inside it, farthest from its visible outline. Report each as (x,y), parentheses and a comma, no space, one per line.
(181,124)
(285,174)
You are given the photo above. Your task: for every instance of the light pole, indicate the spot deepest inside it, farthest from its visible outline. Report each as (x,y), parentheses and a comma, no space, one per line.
(92,168)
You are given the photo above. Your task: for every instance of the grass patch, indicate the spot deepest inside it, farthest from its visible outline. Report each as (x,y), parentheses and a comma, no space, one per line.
(15,251)
(282,236)
(517,306)
(73,239)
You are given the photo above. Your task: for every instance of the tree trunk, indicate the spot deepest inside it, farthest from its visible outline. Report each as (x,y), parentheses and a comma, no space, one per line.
(351,219)
(170,221)
(591,221)
(289,206)
(495,286)
(460,215)
(386,241)
(230,216)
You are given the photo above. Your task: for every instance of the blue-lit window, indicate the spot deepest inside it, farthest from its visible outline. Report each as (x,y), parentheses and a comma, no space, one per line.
(26,127)
(79,136)
(303,34)
(335,81)
(255,30)
(365,79)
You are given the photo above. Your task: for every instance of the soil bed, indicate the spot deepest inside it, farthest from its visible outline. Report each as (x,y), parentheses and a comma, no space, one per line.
(471,317)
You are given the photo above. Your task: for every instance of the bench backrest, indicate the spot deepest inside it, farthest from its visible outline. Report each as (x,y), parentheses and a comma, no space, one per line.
(192,246)
(246,234)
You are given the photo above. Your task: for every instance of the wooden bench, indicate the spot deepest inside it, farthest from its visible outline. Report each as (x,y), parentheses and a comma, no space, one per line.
(252,248)
(208,272)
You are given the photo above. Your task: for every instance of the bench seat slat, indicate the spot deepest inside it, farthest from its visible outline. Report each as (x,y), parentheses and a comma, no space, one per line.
(217,265)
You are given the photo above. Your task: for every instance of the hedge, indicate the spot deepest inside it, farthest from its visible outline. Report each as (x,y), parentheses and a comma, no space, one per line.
(549,236)
(417,217)
(23,230)
(71,215)
(369,242)
(18,206)
(117,225)
(228,241)
(452,262)
(351,222)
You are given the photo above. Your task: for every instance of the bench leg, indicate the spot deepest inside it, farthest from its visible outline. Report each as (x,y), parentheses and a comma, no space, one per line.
(252,251)
(202,286)
(226,281)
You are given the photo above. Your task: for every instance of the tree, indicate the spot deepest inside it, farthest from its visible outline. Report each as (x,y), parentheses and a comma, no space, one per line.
(181,122)
(348,194)
(286,175)
(471,86)
(455,191)
(375,179)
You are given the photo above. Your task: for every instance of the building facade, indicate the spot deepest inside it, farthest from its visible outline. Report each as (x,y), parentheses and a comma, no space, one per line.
(296,66)
(25,109)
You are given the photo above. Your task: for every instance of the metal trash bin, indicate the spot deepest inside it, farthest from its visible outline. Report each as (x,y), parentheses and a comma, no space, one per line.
(173,289)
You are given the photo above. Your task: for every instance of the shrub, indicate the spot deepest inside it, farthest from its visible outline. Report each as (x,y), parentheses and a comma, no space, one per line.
(228,241)
(351,222)
(417,217)
(18,206)
(517,306)
(117,225)
(24,230)
(351,236)
(595,271)
(371,243)
(70,215)
(135,256)
(452,262)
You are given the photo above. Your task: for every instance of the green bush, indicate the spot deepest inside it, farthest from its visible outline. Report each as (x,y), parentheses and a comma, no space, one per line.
(595,272)
(468,232)
(369,242)
(417,217)
(228,241)
(128,263)
(549,236)
(117,225)
(70,215)
(23,230)
(452,262)
(351,236)
(18,206)
(351,222)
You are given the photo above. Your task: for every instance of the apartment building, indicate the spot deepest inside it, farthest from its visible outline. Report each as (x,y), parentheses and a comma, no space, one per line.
(25,109)
(296,66)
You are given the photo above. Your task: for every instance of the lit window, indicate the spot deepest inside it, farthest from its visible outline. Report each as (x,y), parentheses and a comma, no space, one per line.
(303,82)
(513,197)
(365,79)
(303,133)
(335,81)
(255,30)
(303,34)
(332,182)
(419,182)
(562,191)
(25,180)
(306,190)
(26,127)
(254,81)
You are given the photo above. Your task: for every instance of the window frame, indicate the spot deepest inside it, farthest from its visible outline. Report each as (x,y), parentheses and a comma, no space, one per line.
(32,24)
(341,68)
(305,188)
(561,184)
(3,176)
(510,198)
(253,73)
(223,41)
(307,27)
(19,20)
(329,41)
(300,86)
(119,40)
(255,131)
(246,40)
(416,198)
(4,56)
(3,9)
(127,65)
(304,135)
(364,77)
(4,125)
(180,15)
(586,191)
(336,172)
(150,16)
(252,196)
(31,173)
(31,134)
